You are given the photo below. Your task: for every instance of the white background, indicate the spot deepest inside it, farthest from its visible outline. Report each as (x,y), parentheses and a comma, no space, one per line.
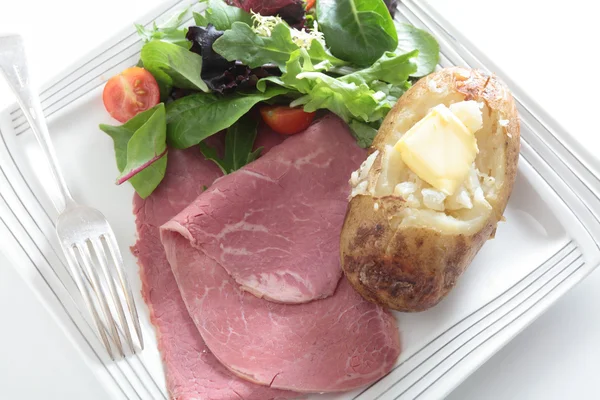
(551,50)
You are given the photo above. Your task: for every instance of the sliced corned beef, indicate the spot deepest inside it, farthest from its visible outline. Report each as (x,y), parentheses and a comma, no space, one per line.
(335,344)
(274,227)
(192,372)
(275,224)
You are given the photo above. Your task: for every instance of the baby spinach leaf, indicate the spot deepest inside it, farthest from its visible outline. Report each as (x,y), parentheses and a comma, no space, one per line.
(221,15)
(194,118)
(411,38)
(173,66)
(140,149)
(239,141)
(359,31)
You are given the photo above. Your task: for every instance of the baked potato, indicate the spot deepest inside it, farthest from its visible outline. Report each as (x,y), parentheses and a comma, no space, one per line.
(404,241)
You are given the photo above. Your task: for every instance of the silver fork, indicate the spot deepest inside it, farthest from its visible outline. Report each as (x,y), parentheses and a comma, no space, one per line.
(86,238)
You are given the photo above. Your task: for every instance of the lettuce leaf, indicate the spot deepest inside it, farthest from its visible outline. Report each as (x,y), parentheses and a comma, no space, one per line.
(241,43)
(363,95)
(390,68)
(219,74)
(362,98)
(346,99)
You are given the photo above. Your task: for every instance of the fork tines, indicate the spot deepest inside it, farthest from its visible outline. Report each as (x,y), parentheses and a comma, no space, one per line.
(97,268)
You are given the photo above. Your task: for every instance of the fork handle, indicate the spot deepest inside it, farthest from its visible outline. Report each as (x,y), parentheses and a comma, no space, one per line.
(13,63)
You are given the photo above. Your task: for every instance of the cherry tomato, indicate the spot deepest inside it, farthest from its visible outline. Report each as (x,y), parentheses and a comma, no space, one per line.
(310,4)
(286,120)
(130,92)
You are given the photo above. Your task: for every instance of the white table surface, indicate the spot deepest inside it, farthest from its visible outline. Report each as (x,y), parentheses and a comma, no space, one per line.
(551,50)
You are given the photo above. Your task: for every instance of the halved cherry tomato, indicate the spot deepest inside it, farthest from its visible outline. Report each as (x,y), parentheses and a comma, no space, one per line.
(310,4)
(286,120)
(130,92)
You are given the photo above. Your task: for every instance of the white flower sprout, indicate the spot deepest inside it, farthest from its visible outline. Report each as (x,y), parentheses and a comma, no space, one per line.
(302,38)
(264,25)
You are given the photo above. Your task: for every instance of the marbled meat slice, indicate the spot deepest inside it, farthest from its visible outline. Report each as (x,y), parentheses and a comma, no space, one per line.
(335,344)
(192,371)
(275,224)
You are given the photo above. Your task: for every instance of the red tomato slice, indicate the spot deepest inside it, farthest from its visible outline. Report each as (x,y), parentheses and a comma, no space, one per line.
(286,120)
(130,92)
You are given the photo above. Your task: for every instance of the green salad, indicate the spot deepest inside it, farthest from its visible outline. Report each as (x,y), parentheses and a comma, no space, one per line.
(348,57)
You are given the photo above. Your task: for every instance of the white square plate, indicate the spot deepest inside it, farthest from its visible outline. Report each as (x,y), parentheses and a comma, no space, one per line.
(545,248)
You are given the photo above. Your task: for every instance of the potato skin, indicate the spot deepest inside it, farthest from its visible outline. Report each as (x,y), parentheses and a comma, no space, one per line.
(412,268)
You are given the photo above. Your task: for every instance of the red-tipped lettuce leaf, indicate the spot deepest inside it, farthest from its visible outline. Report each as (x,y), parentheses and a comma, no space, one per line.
(292,11)
(219,74)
